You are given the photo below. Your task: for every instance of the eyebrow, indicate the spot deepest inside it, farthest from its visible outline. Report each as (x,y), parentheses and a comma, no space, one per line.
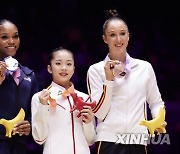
(3,33)
(62,60)
(7,33)
(122,30)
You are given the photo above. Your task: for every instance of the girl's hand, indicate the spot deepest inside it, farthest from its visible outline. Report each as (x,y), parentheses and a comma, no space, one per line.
(87,114)
(109,66)
(44,96)
(23,128)
(3,68)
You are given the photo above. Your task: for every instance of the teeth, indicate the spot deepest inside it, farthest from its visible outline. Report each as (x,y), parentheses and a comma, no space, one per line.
(11,47)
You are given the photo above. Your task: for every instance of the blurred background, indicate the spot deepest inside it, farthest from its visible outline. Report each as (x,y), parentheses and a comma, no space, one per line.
(77,25)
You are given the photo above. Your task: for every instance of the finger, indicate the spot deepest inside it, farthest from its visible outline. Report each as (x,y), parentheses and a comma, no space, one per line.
(86,118)
(18,124)
(22,124)
(85,114)
(87,107)
(3,65)
(83,119)
(26,130)
(44,96)
(159,131)
(49,87)
(44,93)
(2,74)
(85,111)
(164,124)
(111,64)
(2,70)
(22,130)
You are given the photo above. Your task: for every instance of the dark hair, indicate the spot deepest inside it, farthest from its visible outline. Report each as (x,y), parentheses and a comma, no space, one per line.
(51,55)
(112,15)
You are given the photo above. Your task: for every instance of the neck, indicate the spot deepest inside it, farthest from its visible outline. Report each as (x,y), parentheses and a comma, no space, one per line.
(67,85)
(120,57)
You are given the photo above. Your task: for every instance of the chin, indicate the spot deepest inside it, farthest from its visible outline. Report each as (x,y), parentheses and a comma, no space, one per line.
(12,54)
(63,81)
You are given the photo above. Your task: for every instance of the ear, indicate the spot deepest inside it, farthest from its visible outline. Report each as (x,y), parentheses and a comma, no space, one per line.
(49,69)
(104,38)
(74,69)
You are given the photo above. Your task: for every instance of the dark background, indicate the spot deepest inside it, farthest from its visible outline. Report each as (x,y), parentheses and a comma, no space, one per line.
(77,25)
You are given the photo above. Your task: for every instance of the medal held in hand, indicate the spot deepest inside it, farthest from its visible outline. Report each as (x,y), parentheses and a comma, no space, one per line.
(119,70)
(12,63)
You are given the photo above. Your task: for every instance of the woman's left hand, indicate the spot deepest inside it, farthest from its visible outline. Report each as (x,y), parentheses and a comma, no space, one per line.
(159,130)
(87,114)
(23,128)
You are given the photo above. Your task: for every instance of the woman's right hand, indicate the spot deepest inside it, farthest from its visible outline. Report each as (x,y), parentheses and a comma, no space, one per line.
(109,66)
(3,68)
(44,95)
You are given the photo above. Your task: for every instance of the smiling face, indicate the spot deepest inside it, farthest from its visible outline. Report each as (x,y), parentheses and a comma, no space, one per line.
(116,37)
(9,39)
(62,67)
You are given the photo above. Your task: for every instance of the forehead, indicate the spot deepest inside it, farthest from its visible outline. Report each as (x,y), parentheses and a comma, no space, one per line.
(116,25)
(63,55)
(8,27)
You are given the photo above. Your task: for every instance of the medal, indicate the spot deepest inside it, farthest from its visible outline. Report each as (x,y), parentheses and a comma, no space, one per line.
(119,70)
(12,63)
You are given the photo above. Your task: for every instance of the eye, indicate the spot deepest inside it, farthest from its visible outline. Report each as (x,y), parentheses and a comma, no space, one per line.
(16,36)
(69,64)
(112,35)
(58,63)
(123,33)
(4,37)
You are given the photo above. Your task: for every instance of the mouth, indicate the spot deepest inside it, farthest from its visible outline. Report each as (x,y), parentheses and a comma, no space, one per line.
(11,48)
(118,45)
(63,74)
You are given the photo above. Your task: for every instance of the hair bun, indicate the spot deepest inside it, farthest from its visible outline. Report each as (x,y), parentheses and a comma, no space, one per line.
(112,13)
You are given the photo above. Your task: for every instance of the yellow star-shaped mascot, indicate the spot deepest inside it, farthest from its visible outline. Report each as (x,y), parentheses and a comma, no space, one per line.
(155,123)
(9,124)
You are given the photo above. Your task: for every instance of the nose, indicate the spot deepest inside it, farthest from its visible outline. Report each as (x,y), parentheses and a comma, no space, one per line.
(63,67)
(11,40)
(118,38)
